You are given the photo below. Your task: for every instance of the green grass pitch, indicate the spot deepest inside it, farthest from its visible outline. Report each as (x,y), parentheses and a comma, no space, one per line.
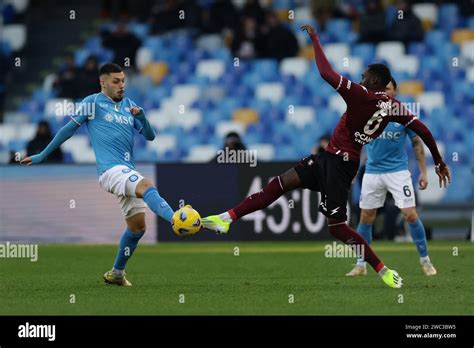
(260,281)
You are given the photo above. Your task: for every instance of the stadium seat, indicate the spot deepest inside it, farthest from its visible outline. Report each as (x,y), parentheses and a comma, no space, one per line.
(412,88)
(389,50)
(273,91)
(7,133)
(467,50)
(434,38)
(339,29)
(365,51)
(26,132)
(210,42)
(266,69)
(426,12)
(336,53)
(162,144)
(140,30)
(189,119)
(431,100)
(337,104)
(15,35)
(303,13)
(301,116)
(406,63)
(245,116)
(265,152)
(202,153)
(143,57)
(211,68)
(160,119)
(295,66)
(185,94)
(157,71)
(448,17)
(76,145)
(462,35)
(470,74)
(353,66)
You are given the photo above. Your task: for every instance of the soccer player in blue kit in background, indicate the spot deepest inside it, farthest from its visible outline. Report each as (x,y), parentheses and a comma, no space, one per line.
(112,120)
(387,170)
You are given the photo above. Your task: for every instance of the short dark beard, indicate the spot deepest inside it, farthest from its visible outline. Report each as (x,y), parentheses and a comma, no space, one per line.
(117,99)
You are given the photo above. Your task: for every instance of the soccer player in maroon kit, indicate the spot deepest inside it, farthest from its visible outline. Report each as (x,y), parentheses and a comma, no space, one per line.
(369,110)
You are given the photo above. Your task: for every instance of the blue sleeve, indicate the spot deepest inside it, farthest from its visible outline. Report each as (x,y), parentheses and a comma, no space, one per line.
(64,134)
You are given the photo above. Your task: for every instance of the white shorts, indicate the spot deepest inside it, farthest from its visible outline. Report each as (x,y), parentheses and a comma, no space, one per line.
(375,187)
(122,182)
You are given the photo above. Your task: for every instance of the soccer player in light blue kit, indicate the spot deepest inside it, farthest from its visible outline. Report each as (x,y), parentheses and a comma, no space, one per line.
(112,120)
(386,169)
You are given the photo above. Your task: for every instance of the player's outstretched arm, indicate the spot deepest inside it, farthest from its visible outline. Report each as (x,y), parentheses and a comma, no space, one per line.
(419,151)
(146,129)
(64,134)
(324,67)
(441,168)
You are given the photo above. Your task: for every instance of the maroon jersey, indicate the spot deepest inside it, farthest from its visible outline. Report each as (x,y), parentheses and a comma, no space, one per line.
(368,113)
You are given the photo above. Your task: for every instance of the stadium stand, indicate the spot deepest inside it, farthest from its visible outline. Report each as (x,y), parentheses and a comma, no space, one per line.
(279,107)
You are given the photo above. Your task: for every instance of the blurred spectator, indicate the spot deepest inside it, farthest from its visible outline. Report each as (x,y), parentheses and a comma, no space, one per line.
(372,22)
(124,44)
(88,82)
(409,27)
(220,15)
(247,44)
(115,9)
(323,11)
(165,16)
(66,81)
(5,66)
(232,142)
(253,9)
(42,138)
(278,41)
(322,144)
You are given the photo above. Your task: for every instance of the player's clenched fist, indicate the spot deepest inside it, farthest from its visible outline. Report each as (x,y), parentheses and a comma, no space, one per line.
(135,110)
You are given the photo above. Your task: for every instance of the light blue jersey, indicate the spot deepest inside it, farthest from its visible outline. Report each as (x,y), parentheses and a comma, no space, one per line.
(386,153)
(111,128)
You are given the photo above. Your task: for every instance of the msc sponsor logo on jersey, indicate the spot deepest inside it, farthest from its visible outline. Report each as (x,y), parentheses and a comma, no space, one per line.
(103,105)
(390,135)
(362,138)
(119,119)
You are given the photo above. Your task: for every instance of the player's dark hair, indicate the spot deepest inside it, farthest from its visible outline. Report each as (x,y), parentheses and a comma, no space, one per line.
(394,83)
(382,73)
(109,68)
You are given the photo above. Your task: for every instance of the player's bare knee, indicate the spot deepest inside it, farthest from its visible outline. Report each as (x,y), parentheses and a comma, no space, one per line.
(367,216)
(410,215)
(142,186)
(137,227)
(136,223)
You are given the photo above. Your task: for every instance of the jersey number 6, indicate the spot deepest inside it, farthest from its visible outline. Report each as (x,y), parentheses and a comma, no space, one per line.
(374,122)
